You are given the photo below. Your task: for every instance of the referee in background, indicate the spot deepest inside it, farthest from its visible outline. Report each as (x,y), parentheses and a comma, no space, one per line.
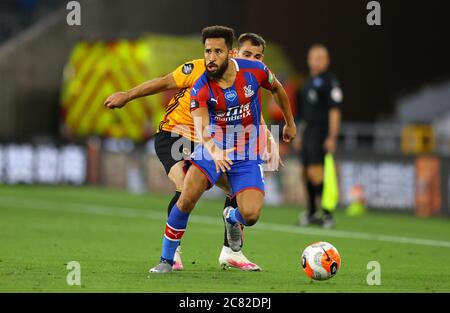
(319,118)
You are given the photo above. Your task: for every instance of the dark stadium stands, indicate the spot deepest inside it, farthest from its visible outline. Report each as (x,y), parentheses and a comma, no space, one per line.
(17,15)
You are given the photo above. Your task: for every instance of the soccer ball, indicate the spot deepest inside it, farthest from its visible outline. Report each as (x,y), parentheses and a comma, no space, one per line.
(321,261)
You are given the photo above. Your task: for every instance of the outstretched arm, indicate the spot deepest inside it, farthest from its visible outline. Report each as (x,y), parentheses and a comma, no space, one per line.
(151,87)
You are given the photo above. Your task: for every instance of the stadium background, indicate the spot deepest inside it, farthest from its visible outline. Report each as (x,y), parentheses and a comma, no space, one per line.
(395,137)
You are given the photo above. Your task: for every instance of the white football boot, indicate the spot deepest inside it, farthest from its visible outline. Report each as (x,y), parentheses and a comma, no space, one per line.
(230,258)
(177,264)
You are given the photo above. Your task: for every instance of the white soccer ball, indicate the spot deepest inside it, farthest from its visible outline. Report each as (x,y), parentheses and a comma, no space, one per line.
(321,261)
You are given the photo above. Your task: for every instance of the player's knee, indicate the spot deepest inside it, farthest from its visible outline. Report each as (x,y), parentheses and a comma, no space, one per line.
(251,216)
(177,180)
(251,220)
(186,204)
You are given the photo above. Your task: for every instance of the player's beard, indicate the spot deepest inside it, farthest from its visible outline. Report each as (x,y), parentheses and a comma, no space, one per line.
(219,72)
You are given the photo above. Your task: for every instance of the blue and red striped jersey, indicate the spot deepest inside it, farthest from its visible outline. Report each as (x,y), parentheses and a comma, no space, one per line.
(235,112)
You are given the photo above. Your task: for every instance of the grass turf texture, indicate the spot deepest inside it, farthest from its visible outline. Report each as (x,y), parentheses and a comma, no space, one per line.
(117,236)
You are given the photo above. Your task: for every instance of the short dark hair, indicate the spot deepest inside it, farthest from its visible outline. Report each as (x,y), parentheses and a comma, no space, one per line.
(255,39)
(217,31)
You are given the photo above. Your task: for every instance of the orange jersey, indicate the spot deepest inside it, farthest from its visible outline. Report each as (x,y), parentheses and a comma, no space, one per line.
(178,117)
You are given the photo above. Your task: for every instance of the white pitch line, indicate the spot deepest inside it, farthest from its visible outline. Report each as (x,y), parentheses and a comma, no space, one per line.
(58,206)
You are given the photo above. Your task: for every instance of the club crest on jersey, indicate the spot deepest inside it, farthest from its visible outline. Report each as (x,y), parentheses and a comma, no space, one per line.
(317,82)
(187,68)
(248,91)
(230,95)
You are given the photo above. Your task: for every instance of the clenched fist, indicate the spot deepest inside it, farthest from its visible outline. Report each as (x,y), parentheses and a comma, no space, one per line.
(116,100)
(289,132)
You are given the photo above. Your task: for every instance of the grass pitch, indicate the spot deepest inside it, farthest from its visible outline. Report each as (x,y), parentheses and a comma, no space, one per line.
(117,236)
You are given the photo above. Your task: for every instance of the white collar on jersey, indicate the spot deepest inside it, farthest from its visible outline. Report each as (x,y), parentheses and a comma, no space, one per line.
(236,64)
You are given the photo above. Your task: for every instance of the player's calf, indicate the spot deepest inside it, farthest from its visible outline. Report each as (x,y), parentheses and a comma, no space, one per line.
(233,228)
(186,203)
(233,220)
(195,184)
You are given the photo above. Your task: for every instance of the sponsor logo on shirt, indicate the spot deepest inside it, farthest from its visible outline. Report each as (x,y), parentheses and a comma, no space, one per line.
(233,114)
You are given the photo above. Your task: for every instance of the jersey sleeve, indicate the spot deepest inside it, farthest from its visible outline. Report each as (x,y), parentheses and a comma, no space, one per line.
(268,79)
(263,74)
(334,95)
(199,97)
(187,74)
